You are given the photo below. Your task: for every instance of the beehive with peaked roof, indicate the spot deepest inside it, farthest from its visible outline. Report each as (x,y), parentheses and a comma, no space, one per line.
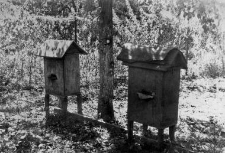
(61,66)
(153,84)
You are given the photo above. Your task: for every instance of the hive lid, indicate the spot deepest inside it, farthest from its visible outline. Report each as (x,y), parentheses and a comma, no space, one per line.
(169,56)
(58,48)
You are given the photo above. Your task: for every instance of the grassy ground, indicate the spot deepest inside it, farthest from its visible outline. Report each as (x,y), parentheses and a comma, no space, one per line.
(201,125)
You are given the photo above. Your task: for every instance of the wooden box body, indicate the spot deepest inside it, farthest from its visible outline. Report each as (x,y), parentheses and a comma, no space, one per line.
(162,110)
(67,72)
(153,86)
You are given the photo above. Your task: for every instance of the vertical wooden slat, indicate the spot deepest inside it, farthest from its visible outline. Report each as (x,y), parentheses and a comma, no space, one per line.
(47,105)
(79,103)
(64,105)
(172,132)
(145,128)
(160,137)
(54,66)
(130,127)
(145,111)
(72,74)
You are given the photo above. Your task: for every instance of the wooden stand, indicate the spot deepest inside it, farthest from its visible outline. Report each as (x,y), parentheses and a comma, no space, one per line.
(46,105)
(160,137)
(79,104)
(130,127)
(63,103)
(160,133)
(172,130)
(145,128)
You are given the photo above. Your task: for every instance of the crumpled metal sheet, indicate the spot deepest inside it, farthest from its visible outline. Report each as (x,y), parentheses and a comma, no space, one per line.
(170,56)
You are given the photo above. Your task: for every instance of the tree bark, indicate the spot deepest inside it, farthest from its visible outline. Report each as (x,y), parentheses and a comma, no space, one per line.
(105,105)
(187,47)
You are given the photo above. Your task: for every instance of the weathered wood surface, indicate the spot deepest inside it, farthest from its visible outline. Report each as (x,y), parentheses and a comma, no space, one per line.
(172,130)
(67,72)
(56,67)
(61,62)
(79,103)
(47,105)
(170,97)
(71,74)
(130,127)
(162,110)
(63,105)
(145,111)
(162,84)
(160,137)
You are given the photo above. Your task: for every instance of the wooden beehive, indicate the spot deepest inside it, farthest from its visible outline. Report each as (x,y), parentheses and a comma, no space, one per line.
(153,86)
(61,66)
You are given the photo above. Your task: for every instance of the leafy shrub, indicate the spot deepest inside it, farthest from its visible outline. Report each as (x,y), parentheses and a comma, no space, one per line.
(212,70)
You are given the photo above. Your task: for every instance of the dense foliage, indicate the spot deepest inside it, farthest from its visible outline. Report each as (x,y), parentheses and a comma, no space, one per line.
(192,26)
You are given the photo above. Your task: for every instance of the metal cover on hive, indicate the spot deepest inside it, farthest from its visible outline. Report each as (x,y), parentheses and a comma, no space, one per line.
(165,57)
(58,48)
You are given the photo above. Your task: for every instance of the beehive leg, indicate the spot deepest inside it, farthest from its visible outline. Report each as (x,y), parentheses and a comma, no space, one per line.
(64,104)
(46,106)
(172,132)
(79,104)
(145,127)
(160,137)
(130,130)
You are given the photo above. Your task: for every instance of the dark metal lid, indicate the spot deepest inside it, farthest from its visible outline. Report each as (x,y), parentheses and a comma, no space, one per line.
(164,57)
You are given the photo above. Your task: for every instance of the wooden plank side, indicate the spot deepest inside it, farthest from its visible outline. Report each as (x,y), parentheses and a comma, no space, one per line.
(54,66)
(171,85)
(145,111)
(72,74)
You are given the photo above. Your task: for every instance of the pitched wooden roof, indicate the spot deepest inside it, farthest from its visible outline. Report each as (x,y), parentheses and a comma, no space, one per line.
(58,48)
(170,56)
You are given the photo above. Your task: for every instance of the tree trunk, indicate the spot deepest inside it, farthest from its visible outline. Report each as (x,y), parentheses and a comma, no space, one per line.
(187,47)
(105,105)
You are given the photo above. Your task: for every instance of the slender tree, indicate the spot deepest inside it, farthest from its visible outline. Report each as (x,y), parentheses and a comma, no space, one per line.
(105,105)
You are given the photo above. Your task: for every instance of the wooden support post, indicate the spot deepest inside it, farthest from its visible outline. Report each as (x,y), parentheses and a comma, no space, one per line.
(172,132)
(130,130)
(64,104)
(145,127)
(47,105)
(160,137)
(79,104)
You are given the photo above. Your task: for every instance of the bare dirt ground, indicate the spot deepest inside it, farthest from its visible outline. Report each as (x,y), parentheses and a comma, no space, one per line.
(203,99)
(200,128)
(201,123)
(202,115)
